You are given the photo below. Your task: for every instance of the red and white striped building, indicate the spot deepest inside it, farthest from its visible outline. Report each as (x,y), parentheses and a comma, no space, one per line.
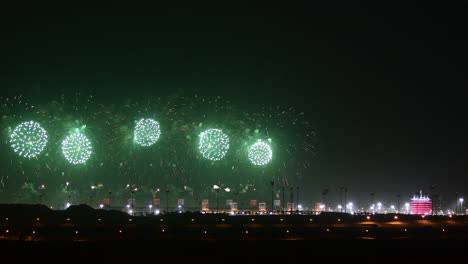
(421,205)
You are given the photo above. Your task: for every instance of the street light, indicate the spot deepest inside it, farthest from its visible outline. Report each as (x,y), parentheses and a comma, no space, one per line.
(67,184)
(461,205)
(195,198)
(350,206)
(92,187)
(341,198)
(91,200)
(167,199)
(398,204)
(110,193)
(95,191)
(345,198)
(324,194)
(432,198)
(216,188)
(372,195)
(297,200)
(291,189)
(227,189)
(237,199)
(41,193)
(272,194)
(282,190)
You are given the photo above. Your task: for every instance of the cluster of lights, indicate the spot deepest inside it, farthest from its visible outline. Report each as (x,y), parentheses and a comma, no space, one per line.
(260,153)
(28,139)
(214,144)
(76,148)
(147,132)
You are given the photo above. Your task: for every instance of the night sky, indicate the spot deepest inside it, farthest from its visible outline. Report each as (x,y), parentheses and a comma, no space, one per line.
(382,86)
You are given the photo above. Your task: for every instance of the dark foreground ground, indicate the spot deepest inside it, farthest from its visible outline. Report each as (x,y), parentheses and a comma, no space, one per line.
(333,251)
(80,232)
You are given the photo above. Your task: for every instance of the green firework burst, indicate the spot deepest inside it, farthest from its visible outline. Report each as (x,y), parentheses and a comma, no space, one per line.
(147,132)
(260,153)
(76,148)
(214,144)
(28,139)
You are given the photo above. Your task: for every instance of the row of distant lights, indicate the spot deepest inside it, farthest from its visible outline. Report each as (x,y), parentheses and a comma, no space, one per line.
(157,212)
(350,205)
(246,232)
(223,219)
(120,231)
(368,217)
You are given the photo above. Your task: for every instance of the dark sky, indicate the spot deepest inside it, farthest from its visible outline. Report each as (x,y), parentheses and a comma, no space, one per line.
(383,85)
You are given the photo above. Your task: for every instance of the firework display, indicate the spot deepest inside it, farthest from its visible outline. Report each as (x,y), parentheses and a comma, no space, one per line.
(76,148)
(206,140)
(214,144)
(260,153)
(147,132)
(28,139)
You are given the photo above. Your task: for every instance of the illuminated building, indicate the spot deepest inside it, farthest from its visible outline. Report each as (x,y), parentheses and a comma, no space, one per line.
(421,205)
